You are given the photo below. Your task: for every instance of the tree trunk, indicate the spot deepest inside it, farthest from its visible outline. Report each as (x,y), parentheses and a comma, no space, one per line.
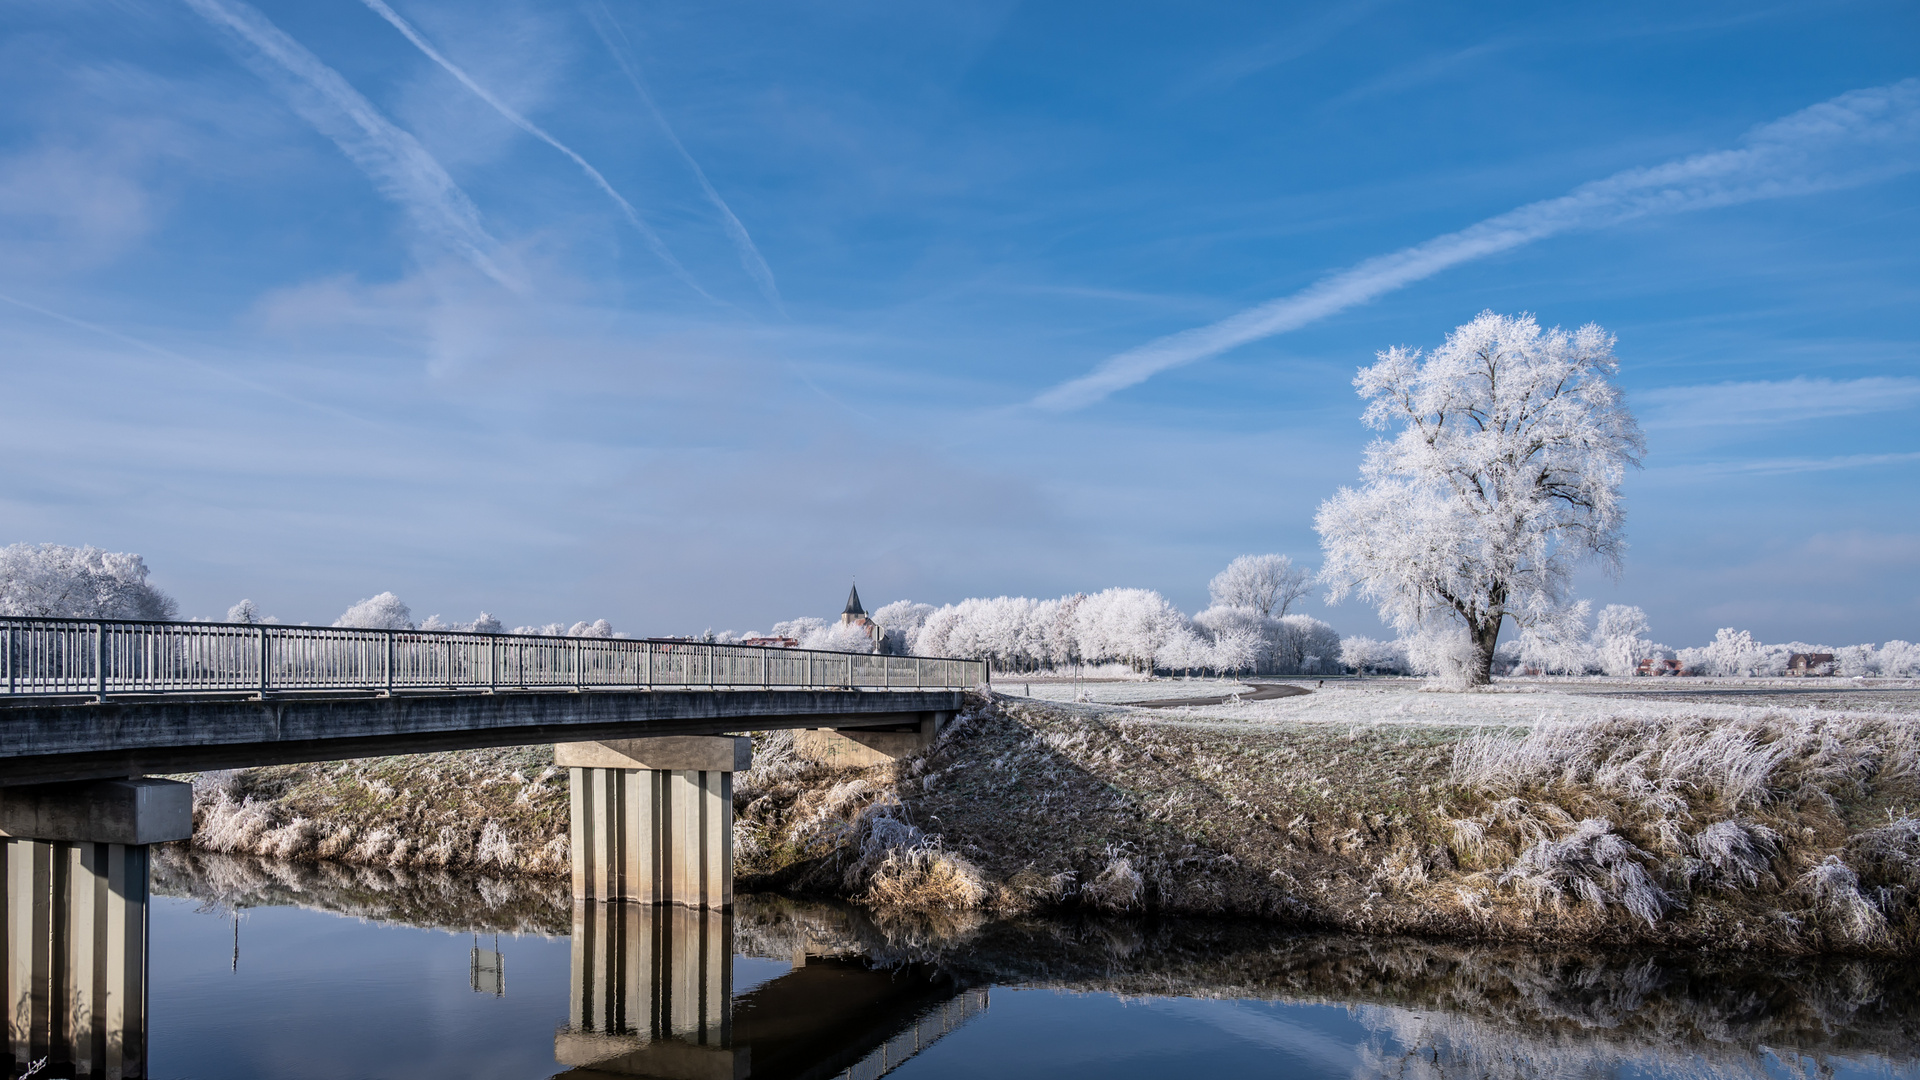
(1486,634)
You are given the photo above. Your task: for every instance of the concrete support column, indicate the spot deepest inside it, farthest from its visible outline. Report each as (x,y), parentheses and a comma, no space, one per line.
(652,819)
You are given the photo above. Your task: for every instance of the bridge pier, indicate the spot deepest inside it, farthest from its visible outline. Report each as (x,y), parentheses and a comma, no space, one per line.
(652,819)
(73,948)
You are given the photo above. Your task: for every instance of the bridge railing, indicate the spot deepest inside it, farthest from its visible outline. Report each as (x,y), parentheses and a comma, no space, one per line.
(109,656)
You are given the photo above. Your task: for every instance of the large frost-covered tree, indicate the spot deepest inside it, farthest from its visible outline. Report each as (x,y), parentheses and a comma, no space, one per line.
(1505,473)
(1619,639)
(53,580)
(1269,584)
(383,612)
(902,620)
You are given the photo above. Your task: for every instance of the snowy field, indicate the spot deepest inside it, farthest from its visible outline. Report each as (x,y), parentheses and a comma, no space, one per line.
(1116,692)
(1391,701)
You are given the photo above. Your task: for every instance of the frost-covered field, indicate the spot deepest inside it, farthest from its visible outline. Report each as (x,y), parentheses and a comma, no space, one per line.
(1526,702)
(1119,692)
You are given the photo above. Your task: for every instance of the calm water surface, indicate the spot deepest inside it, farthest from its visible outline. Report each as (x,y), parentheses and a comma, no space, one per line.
(347,974)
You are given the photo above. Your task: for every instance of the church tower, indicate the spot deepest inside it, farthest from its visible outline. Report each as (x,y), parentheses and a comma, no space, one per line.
(854,613)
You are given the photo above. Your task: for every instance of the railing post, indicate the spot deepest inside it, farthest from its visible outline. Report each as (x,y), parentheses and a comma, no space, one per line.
(389,663)
(766,664)
(648,645)
(849,671)
(10,675)
(710,651)
(266,662)
(493,663)
(576,663)
(100,657)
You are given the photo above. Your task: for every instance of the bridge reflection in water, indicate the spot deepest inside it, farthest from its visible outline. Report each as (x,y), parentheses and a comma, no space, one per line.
(652,986)
(75,960)
(653,996)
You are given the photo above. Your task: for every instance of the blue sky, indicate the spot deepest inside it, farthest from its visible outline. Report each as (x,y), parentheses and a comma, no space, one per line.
(682,314)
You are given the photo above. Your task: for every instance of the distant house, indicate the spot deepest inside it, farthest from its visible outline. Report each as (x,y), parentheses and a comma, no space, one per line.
(771,642)
(1810,663)
(855,615)
(1654,665)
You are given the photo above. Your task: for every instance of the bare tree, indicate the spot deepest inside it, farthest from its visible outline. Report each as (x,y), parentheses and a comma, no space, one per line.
(1269,584)
(1505,475)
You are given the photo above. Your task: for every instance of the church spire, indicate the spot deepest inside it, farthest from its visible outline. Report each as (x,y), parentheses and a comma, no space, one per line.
(853,603)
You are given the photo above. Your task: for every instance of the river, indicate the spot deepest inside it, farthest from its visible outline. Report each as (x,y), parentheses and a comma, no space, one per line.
(263,969)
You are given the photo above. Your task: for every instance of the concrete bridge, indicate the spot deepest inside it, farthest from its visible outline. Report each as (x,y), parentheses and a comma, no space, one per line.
(645,729)
(87,699)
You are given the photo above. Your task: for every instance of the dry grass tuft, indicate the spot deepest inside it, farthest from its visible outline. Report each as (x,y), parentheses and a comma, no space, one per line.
(1736,853)
(1835,889)
(1117,887)
(1593,864)
(900,866)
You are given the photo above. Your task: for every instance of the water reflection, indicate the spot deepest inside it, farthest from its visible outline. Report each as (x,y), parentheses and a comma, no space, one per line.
(843,992)
(74,960)
(652,992)
(654,997)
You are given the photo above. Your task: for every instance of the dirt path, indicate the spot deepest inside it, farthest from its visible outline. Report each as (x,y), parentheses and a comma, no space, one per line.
(1260,692)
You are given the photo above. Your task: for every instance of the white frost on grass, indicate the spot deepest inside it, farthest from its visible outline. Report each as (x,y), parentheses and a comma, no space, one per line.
(1394,702)
(1117,693)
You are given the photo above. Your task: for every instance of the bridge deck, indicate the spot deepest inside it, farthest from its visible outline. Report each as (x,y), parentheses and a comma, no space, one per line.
(86,699)
(52,741)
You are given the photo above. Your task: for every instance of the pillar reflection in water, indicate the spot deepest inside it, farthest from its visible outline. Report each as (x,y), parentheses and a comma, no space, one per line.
(75,961)
(652,992)
(653,996)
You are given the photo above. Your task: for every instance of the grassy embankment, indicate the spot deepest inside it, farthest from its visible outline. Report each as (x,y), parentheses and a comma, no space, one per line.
(1767,828)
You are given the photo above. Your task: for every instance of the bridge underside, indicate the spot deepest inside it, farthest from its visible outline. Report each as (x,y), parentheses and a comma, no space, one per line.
(82,740)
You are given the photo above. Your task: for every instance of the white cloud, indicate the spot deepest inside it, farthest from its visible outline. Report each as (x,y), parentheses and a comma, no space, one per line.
(1785,466)
(65,207)
(1857,138)
(1861,549)
(1777,402)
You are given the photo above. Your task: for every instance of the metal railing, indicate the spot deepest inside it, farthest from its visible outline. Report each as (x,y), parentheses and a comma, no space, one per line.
(113,656)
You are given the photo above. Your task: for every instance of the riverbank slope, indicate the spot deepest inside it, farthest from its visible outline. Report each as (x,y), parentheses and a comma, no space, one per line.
(1539,816)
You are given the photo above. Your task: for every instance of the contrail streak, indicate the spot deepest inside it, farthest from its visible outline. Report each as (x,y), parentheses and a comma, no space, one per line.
(380,8)
(750,257)
(1857,138)
(400,168)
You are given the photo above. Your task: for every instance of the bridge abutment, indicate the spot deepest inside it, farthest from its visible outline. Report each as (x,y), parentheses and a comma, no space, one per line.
(858,742)
(652,819)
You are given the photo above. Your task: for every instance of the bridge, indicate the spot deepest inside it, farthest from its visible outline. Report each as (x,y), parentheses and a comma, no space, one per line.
(646,729)
(87,699)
